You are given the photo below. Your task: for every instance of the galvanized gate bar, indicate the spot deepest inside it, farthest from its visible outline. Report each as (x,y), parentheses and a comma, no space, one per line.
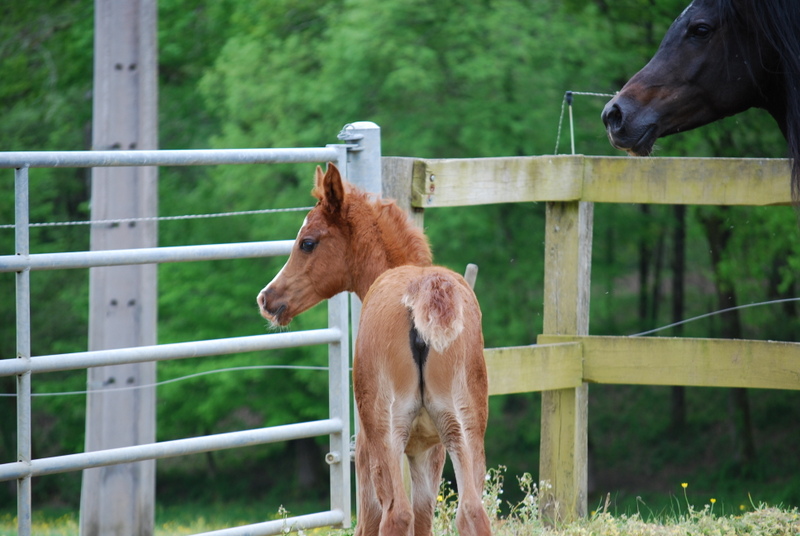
(168,449)
(283,526)
(164,352)
(184,157)
(337,426)
(126,257)
(339,406)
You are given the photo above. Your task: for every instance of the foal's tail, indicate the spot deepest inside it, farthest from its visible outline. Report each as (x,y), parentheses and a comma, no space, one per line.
(437,308)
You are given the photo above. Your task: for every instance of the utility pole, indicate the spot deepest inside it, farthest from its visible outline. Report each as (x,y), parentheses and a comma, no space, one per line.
(120,500)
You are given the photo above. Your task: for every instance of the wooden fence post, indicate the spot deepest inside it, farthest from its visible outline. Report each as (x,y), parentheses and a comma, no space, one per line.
(398,174)
(120,500)
(564,452)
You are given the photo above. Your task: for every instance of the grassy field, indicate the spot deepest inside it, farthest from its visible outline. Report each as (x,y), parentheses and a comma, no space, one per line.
(521,518)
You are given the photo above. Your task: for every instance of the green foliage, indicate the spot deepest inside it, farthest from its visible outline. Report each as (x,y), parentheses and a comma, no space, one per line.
(442,79)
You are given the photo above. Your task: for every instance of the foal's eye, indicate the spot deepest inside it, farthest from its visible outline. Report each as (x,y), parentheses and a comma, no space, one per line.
(308,245)
(700,31)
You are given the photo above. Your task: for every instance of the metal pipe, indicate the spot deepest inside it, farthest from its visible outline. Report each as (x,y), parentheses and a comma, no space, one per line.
(168,449)
(164,352)
(120,257)
(364,159)
(23,298)
(339,406)
(283,526)
(190,157)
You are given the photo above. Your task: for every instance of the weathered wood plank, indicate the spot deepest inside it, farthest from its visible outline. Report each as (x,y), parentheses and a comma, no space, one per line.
(603,179)
(690,362)
(687,181)
(564,447)
(398,181)
(523,369)
(482,181)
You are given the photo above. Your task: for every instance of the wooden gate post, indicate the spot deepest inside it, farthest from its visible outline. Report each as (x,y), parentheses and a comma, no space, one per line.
(120,500)
(564,452)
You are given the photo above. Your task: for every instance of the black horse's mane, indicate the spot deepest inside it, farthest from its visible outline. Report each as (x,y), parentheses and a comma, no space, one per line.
(777,22)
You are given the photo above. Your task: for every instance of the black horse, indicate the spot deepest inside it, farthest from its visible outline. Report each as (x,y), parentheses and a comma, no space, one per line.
(719,58)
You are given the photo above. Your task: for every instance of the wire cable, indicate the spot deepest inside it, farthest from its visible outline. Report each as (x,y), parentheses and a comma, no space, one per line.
(320,368)
(721,311)
(179,379)
(163,218)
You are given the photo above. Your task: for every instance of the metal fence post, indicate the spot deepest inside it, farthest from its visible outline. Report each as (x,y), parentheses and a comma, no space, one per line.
(22,247)
(339,402)
(363,155)
(364,170)
(339,392)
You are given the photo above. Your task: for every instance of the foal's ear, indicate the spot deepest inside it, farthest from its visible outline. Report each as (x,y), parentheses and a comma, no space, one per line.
(329,188)
(317,191)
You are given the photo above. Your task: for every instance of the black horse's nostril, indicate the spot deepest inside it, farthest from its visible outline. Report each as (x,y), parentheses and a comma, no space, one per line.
(612,116)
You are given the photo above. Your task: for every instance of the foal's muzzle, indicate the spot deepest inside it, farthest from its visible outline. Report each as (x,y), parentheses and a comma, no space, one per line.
(271,308)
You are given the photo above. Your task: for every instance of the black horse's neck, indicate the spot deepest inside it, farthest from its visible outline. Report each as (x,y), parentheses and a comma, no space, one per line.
(775,25)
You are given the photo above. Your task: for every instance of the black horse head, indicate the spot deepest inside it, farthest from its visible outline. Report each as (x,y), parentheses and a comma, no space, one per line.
(719,58)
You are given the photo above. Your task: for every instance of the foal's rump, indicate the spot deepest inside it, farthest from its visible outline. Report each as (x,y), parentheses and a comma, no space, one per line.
(439,304)
(414,315)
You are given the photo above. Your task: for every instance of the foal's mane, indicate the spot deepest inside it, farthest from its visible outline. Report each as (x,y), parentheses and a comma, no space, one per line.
(778,23)
(404,242)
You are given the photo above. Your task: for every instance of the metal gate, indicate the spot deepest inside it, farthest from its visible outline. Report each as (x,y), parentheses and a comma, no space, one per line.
(358,158)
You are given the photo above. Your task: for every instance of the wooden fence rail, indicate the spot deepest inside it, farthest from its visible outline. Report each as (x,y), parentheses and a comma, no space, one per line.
(600,179)
(567,359)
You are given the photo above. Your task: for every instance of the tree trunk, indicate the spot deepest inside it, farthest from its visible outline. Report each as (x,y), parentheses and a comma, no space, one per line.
(678,403)
(645,254)
(741,426)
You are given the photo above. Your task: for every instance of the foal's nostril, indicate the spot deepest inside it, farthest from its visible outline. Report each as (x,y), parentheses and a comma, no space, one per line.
(262,300)
(612,116)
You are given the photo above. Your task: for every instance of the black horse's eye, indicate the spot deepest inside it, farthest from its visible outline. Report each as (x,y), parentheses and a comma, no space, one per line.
(308,245)
(700,31)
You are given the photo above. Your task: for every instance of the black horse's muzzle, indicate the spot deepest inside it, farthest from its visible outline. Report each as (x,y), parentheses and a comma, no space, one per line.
(629,126)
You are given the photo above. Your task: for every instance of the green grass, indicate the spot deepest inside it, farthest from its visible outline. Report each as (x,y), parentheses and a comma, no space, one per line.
(682,518)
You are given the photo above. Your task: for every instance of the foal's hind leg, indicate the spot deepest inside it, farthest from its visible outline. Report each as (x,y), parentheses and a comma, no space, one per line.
(369,509)
(459,409)
(397,517)
(385,424)
(426,473)
(467,455)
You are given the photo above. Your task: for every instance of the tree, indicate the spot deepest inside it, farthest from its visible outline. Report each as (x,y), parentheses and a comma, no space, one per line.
(443,79)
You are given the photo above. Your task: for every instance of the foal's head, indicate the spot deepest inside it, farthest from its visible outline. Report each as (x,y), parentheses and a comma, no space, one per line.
(345,243)
(317,268)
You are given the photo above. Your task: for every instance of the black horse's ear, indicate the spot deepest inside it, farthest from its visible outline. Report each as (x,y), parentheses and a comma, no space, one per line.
(332,189)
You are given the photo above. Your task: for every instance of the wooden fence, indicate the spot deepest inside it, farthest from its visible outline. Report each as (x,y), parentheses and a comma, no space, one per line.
(566,359)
